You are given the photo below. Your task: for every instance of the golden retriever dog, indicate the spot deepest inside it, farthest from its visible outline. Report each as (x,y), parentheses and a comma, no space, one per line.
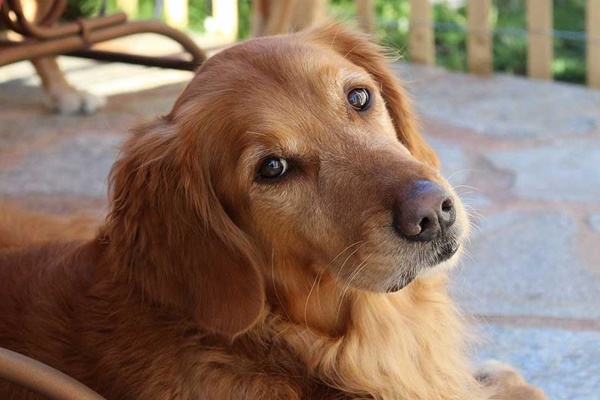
(61,96)
(283,233)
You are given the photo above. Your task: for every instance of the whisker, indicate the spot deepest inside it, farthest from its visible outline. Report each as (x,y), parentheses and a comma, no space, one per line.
(347,258)
(357,270)
(275,286)
(342,252)
(467,187)
(317,278)
(460,172)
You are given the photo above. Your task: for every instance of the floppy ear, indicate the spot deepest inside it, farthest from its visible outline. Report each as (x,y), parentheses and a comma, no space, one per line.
(358,48)
(170,238)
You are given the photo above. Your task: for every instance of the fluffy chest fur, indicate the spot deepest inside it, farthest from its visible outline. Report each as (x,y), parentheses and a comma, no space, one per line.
(409,345)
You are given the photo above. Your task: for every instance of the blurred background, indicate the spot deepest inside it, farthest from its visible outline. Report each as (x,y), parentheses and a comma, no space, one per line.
(507,19)
(508,92)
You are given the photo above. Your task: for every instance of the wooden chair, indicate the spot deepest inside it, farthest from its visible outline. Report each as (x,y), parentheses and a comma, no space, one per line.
(46,37)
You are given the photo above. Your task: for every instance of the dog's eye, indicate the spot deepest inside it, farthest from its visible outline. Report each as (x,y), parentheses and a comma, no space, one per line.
(273,167)
(359,99)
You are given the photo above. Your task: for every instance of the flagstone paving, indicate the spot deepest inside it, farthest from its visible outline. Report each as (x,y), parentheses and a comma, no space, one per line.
(524,155)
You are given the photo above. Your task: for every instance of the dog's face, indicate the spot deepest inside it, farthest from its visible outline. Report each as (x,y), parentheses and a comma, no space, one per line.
(295,153)
(312,168)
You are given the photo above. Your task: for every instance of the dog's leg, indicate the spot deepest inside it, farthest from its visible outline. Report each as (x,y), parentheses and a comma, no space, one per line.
(273,17)
(64,98)
(506,383)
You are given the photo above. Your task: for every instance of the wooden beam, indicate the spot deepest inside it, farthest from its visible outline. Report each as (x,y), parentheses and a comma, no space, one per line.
(176,13)
(593,43)
(479,40)
(421,45)
(129,7)
(540,52)
(365,11)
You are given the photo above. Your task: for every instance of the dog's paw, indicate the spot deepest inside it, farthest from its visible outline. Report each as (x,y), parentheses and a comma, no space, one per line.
(506,382)
(69,102)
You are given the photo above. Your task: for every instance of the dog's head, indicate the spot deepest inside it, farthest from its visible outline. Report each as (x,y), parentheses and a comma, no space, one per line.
(301,149)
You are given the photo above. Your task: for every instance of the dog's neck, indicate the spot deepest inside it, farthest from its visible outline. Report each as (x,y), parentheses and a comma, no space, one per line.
(406,345)
(311,298)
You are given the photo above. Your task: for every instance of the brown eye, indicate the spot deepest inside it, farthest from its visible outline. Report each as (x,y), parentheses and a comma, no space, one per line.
(273,167)
(359,99)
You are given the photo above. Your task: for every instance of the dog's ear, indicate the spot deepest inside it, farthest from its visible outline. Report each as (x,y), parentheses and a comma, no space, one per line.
(358,48)
(171,239)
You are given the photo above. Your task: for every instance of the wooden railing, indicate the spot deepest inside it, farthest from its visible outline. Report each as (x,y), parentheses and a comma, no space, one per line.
(421,32)
(479,42)
(593,43)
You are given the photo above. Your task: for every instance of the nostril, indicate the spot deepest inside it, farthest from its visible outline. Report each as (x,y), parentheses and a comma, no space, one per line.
(424,224)
(448,214)
(423,213)
(447,205)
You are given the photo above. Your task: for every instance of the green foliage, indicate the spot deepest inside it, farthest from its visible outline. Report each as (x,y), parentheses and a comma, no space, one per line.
(510,42)
(81,8)
(508,17)
(244,18)
(450,44)
(569,54)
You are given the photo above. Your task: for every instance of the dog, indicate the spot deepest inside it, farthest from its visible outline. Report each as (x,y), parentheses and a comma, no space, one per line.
(274,17)
(61,96)
(283,233)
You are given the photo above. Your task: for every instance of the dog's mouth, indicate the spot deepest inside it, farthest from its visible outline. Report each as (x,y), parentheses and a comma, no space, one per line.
(441,253)
(396,287)
(445,252)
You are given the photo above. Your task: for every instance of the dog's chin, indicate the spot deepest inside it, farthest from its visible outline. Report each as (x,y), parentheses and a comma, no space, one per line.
(443,253)
(441,258)
(404,282)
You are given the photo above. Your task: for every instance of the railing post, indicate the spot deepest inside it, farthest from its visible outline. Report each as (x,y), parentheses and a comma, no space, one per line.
(225,14)
(539,25)
(365,11)
(129,7)
(421,45)
(176,13)
(479,40)
(593,43)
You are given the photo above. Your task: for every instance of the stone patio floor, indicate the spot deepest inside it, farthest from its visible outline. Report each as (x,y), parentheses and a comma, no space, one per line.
(525,156)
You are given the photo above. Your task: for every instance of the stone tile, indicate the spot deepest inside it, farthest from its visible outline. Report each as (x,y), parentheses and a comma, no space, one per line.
(26,119)
(527,264)
(474,201)
(565,364)
(15,95)
(75,166)
(16,130)
(150,103)
(412,74)
(457,169)
(594,221)
(509,107)
(60,204)
(565,170)
(455,165)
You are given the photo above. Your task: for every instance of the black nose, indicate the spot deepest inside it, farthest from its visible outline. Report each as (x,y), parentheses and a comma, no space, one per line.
(425,214)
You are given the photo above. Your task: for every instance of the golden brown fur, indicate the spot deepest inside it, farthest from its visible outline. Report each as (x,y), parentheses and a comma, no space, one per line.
(19,228)
(273,17)
(206,282)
